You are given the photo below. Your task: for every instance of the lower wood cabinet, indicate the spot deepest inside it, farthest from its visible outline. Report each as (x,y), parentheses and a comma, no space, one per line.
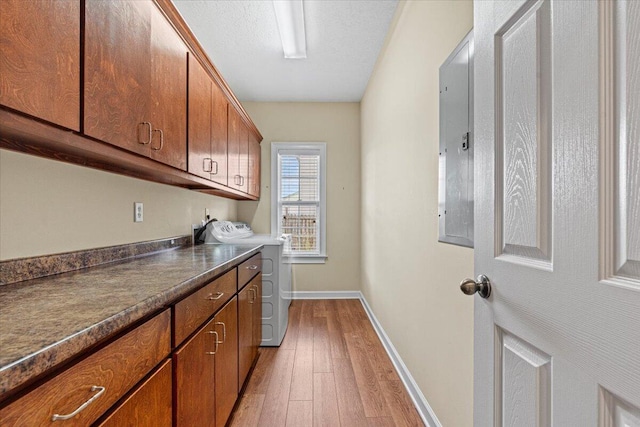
(150,405)
(80,394)
(226,324)
(256,317)
(194,365)
(249,326)
(131,381)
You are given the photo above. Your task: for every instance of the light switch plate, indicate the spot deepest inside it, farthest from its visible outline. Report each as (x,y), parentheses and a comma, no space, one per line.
(137,212)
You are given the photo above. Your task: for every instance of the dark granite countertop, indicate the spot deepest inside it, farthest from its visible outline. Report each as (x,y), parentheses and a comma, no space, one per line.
(46,322)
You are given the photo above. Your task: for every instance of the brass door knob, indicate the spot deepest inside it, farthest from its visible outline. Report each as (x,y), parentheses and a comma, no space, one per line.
(482,285)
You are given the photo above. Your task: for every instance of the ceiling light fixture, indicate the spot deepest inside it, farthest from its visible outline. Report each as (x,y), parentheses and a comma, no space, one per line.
(290,17)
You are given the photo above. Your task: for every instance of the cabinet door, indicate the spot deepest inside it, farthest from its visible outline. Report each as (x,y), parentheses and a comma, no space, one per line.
(117,72)
(257,316)
(219,134)
(226,324)
(200,119)
(148,406)
(238,151)
(245,332)
(40,59)
(194,366)
(168,93)
(254,166)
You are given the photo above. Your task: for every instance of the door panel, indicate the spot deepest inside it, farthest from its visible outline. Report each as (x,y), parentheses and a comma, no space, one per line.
(33,79)
(525,381)
(254,166)
(226,324)
(219,135)
(199,119)
(118,80)
(557,168)
(195,368)
(245,331)
(168,93)
(235,140)
(522,132)
(625,147)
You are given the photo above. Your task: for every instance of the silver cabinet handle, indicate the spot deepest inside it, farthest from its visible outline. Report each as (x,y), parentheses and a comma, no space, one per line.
(204,163)
(241,181)
(216,163)
(237,180)
(252,267)
(148,141)
(161,140)
(214,298)
(224,331)
(99,389)
(217,342)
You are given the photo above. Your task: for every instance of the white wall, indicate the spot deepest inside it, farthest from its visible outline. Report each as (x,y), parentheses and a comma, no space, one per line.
(50,207)
(337,124)
(409,279)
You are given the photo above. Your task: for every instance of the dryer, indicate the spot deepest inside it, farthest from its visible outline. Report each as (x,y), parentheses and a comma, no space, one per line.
(276,274)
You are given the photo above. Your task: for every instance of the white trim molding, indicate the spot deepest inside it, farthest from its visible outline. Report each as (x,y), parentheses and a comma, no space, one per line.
(326,295)
(422,406)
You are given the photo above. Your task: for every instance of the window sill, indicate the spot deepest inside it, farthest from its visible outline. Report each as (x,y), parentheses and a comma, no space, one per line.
(305,259)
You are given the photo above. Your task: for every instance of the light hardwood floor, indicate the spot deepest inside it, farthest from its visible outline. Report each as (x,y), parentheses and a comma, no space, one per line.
(331,370)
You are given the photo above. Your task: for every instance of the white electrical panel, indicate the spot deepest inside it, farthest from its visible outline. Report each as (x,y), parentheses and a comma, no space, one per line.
(455,192)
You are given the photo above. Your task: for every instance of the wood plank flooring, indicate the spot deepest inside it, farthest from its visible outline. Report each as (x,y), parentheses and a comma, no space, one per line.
(331,370)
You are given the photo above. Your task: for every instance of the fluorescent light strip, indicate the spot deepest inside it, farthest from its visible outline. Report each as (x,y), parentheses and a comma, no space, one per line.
(290,17)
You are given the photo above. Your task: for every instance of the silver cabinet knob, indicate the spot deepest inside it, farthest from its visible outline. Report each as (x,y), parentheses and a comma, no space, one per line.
(482,285)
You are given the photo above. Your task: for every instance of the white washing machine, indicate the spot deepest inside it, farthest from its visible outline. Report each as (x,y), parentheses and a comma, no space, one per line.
(276,274)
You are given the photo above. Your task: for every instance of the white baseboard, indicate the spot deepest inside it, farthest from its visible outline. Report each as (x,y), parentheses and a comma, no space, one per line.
(326,295)
(422,406)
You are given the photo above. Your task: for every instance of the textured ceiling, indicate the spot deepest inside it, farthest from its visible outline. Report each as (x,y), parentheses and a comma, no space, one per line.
(241,37)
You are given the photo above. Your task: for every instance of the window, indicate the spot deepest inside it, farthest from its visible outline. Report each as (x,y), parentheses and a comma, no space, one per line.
(298,198)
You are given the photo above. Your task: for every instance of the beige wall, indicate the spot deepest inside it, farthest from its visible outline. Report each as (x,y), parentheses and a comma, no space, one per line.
(50,207)
(409,279)
(337,124)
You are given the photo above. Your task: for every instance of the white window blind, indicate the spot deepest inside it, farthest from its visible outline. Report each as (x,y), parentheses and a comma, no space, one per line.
(299,203)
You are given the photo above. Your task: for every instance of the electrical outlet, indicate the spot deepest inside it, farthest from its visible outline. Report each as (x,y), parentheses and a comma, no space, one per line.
(206,214)
(137,212)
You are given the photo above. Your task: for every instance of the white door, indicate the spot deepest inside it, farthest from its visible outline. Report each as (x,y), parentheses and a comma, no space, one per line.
(557,221)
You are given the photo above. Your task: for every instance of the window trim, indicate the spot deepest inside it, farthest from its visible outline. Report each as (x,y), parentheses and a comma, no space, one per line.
(319,148)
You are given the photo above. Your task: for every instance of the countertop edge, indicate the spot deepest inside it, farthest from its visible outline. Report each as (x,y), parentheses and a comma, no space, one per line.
(20,374)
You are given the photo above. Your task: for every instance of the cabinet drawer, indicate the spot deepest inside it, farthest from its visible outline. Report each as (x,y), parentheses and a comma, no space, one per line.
(97,382)
(248,269)
(192,311)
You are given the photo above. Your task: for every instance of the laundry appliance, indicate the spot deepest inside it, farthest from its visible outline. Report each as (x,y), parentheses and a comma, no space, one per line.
(276,273)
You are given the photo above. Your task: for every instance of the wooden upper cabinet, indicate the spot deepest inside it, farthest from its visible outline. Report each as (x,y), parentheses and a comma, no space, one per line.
(254,166)
(219,135)
(200,105)
(40,59)
(207,125)
(135,80)
(168,93)
(238,151)
(117,73)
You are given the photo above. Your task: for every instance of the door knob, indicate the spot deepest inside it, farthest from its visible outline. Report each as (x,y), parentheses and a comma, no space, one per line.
(482,285)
